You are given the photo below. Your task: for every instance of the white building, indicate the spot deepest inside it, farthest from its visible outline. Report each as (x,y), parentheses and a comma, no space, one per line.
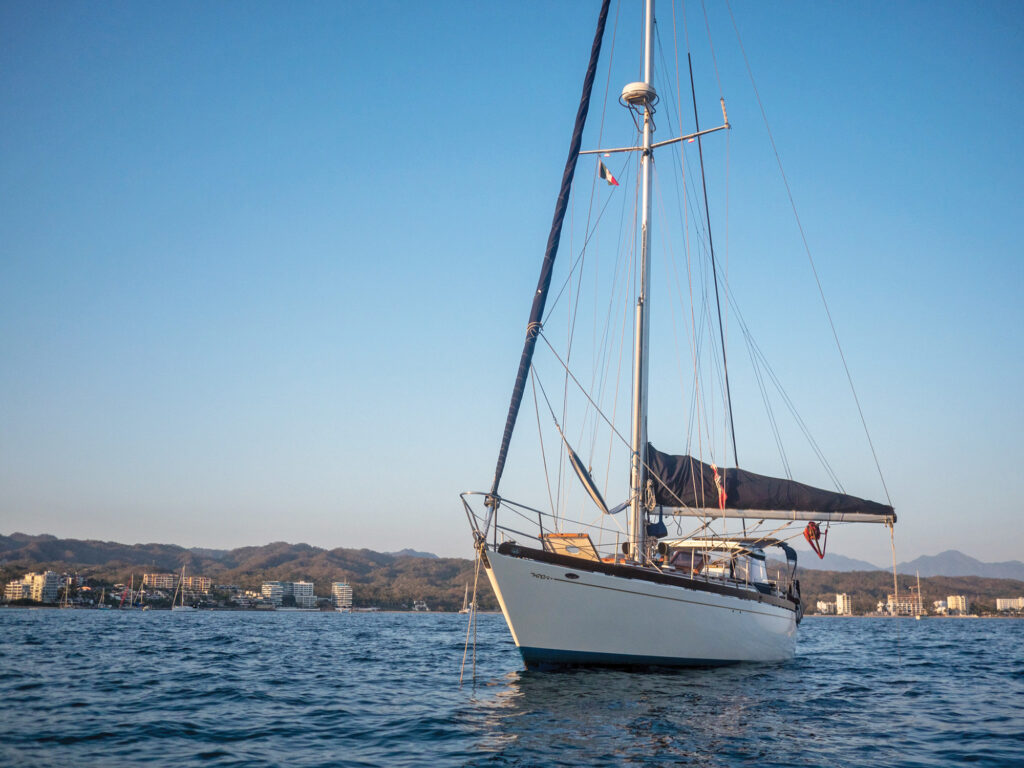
(40,587)
(341,595)
(958,604)
(274,592)
(17,590)
(1010,603)
(826,607)
(844,605)
(45,587)
(302,591)
(907,604)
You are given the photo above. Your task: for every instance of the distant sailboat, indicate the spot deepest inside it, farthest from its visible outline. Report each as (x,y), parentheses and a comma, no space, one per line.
(128,595)
(178,607)
(465,601)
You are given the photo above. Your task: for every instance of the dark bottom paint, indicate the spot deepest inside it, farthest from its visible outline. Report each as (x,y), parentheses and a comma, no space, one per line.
(550,658)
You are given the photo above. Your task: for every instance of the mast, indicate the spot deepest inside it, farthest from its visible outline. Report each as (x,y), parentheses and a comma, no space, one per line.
(645,97)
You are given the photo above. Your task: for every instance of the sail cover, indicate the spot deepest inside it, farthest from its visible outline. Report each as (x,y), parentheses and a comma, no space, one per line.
(683,481)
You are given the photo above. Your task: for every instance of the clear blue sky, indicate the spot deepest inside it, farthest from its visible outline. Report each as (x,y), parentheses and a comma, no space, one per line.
(264,268)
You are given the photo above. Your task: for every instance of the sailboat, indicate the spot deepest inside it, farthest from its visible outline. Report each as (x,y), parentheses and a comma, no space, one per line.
(465,601)
(128,594)
(180,605)
(576,586)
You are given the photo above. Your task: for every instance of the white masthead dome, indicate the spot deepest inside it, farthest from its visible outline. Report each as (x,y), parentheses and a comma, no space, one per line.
(638,94)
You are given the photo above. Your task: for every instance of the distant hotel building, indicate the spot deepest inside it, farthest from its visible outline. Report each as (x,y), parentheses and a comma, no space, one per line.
(908,604)
(170,581)
(273,591)
(844,606)
(18,590)
(302,591)
(958,604)
(160,580)
(40,587)
(197,583)
(1010,603)
(341,595)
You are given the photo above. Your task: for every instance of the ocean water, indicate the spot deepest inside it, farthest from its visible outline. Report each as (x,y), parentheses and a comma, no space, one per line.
(111,688)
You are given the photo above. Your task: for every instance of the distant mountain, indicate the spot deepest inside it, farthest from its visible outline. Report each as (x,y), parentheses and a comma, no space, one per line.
(810,562)
(413,553)
(949,563)
(955,563)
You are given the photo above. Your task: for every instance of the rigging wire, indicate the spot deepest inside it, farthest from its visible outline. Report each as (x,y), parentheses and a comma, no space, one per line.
(714,271)
(600,140)
(471,625)
(540,439)
(628,267)
(810,258)
(758,358)
(896,591)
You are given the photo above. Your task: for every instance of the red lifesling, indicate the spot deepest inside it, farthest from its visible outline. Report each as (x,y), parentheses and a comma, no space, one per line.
(814,535)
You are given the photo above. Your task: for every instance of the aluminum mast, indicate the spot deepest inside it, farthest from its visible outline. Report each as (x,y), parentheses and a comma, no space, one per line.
(637,95)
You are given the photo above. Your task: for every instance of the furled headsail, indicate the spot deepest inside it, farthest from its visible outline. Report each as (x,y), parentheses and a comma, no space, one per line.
(686,482)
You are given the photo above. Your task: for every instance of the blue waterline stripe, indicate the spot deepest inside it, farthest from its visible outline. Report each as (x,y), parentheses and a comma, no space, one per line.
(554,657)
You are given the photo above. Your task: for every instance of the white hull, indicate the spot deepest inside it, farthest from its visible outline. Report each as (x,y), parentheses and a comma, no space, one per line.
(598,618)
(182,608)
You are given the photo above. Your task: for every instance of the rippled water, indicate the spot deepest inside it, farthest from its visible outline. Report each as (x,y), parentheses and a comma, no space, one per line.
(102,688)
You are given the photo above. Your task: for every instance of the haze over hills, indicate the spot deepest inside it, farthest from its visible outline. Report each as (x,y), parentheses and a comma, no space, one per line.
(949,563)
(833,562)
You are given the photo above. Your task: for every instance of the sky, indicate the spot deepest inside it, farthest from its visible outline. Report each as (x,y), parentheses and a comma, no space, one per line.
(265,268)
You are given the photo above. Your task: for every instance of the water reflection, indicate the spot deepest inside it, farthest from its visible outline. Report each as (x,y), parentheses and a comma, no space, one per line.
(703,717)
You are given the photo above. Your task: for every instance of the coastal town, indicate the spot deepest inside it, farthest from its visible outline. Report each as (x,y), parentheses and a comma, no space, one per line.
(156,591)
(165,590)
(912,604)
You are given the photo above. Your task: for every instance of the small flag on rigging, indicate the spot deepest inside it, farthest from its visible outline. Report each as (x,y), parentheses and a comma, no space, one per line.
(605,174)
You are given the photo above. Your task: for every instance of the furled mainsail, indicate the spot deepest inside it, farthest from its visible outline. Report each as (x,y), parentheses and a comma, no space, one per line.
(683,481)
